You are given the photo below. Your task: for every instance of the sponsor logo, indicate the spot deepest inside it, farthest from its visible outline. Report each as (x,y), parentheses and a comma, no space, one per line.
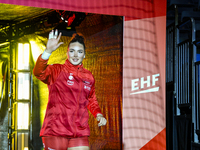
(87,85)
(86,82)
(137,85)
(69,82)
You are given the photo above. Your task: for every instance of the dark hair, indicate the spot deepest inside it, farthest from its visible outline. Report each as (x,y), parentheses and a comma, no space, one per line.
(77,37)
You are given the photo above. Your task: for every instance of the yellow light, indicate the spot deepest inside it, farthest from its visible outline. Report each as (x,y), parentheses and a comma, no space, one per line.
(23,85)
(23,56)
(57,57)
(22,141)
(22,115)
(36,49)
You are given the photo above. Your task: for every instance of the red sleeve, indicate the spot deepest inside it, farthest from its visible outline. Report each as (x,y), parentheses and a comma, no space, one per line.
(45,73)
(93,105)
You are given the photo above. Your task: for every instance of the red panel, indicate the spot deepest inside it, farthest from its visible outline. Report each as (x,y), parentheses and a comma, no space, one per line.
(157,143)
(133,9)
(143,57)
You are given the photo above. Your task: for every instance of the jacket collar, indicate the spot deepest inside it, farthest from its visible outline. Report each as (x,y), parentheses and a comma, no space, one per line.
(70,65)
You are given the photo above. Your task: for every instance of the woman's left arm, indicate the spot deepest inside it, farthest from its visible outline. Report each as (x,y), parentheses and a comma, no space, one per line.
(94,108)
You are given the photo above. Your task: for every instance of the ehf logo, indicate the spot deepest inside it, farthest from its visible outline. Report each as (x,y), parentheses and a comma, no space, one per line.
(144,85)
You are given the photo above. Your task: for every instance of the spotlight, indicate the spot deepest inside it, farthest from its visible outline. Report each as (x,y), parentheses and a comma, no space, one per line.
(70,20)
(65,30)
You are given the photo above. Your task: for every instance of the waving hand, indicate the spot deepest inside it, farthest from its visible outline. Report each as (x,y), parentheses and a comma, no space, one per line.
(53,41)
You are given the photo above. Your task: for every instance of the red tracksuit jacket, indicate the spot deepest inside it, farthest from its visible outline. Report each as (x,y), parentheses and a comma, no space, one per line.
(71,94)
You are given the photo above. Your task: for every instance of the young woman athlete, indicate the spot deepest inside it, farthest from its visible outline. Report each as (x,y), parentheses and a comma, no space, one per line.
(71,94)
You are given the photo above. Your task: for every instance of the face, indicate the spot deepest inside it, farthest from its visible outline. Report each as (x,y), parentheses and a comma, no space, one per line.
(76,53)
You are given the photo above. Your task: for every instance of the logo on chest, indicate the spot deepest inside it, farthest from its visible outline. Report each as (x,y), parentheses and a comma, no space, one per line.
(70,79)
(87,85)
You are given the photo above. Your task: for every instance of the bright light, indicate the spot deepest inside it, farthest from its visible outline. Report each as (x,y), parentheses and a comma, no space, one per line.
(37,49)
(25,148)
(22,115)
(23,56)
(23,86)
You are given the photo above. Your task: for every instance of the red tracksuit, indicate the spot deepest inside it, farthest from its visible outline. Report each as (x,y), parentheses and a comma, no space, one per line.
(71,94)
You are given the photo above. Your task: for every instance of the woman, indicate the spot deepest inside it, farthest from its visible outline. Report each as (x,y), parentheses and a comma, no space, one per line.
(71,93)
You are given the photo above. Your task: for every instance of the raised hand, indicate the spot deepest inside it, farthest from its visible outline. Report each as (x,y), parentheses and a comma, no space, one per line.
(53,41)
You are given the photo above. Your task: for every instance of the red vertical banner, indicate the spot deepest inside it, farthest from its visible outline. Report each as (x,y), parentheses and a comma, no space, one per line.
(144,125)
(144,84)
(144,48)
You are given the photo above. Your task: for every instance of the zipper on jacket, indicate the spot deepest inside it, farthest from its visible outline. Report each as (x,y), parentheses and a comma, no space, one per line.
(80,90)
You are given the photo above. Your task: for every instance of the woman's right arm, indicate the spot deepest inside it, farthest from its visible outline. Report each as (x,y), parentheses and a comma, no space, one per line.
(41,70)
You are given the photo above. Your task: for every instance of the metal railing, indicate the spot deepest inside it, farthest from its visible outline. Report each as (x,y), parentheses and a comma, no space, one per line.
(197,94)
(170,54)
(183,81)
